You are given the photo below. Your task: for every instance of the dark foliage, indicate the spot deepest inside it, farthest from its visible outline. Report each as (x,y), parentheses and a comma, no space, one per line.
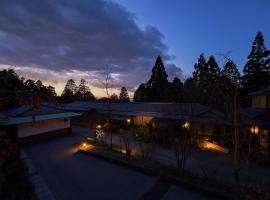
(158,88)
(123,97)
(140,94)
(15,90)
(257,69)
(73,93)
(14,182)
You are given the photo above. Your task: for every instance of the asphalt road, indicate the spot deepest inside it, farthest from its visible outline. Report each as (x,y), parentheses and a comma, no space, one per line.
(71,175)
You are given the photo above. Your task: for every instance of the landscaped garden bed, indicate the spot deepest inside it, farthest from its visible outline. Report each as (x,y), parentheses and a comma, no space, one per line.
(14,183)
(211,187)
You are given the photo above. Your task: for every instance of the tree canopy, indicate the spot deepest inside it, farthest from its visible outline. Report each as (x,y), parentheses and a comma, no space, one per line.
(15,90)
(257,69)
(123,97)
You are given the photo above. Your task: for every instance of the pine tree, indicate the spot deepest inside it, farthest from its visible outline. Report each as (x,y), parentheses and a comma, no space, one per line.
(158,87)
(83,92)
(177,89)
(256,71)
(213,72)
(231,75)
(140,94)
(69,91)
(123,97)
(200,71)
(205,80)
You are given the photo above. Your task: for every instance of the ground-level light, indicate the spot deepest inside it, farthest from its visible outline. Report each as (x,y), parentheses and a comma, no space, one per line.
(186,125)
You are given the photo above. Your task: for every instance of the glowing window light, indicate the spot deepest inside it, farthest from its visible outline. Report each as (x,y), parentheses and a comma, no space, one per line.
(254,130)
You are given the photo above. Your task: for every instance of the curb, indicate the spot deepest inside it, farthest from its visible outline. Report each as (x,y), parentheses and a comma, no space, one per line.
(167,178)
(41,189)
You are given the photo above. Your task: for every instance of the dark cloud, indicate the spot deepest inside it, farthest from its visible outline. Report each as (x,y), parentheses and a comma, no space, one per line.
(81,35)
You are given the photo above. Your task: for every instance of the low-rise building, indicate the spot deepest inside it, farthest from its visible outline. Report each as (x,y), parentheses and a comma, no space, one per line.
(29,123)
(210,124)
(257,116)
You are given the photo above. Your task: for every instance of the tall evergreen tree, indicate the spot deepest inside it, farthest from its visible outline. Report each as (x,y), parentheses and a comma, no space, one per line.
(123,97)
(140,94)
(213,72)
(83,92)
(158,87)
(177,89)
(205,82)
(257,69)
(69,91)
(231,75)
(200,71)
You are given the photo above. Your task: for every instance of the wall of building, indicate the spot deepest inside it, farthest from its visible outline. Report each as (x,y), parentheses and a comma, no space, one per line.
(39,127)
(259,101)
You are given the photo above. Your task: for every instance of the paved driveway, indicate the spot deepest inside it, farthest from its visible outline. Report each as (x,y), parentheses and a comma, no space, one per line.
(71,175)
(210,164)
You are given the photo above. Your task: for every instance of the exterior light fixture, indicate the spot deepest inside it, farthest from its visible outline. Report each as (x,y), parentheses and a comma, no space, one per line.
(84,145)
(254,130)
(98,126)
(128,120)
(186,125)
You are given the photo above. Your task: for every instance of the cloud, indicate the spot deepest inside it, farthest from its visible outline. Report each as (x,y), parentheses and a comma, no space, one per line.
(68,36)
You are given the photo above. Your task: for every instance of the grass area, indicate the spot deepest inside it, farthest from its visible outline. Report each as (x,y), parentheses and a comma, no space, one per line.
(215,188)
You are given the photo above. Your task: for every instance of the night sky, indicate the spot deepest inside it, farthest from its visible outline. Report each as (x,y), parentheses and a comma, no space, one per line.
(55,40)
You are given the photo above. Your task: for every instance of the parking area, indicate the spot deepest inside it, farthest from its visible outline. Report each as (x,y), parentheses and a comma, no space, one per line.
(70,175)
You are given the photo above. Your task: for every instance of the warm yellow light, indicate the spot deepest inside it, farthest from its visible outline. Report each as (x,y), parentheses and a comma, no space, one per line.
(98,126)
(128,120)
(84,145)
(254,130)
(186,125)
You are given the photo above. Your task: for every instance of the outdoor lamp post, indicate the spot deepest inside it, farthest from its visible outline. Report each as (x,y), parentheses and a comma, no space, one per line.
(99,132)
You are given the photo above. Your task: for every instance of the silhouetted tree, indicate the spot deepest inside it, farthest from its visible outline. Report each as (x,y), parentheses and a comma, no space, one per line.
(123,97)
(200,71)
(257,69)
(69,91)
(230,76)
(213,72)
(140,94)
(83,92)
(177,90)
(114,98)
(10,88)
(158,87)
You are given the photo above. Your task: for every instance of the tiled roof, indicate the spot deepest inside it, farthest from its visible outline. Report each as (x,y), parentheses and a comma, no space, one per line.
(265,91)
(27,114)
(187,111)
(255,116)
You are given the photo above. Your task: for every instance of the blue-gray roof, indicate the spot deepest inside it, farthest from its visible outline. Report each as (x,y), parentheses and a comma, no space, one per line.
(255,116)
(22,114)
(21,120)
(185,111)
